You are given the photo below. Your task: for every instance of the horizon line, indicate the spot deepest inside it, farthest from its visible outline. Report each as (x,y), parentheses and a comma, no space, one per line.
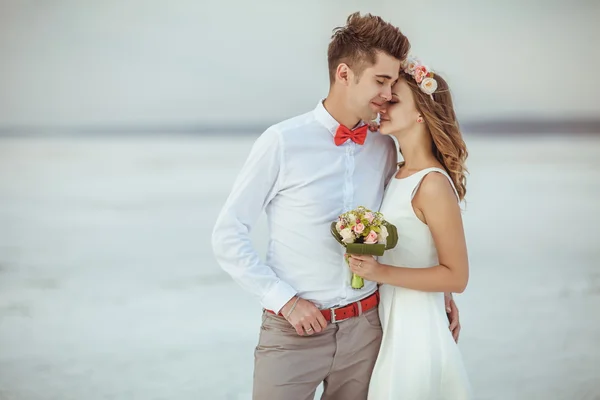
(506,126)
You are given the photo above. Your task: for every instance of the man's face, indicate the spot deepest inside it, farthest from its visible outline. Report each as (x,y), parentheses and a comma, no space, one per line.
(369,92)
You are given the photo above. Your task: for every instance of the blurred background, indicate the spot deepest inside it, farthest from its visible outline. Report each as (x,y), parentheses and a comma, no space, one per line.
(124,124)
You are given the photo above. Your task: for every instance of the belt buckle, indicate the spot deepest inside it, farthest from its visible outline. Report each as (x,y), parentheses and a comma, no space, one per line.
(333,320)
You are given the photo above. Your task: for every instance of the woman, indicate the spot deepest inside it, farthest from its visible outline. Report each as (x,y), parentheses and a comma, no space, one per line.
(418,358)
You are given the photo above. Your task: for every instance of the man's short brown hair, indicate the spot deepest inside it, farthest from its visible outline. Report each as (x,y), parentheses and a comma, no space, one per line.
(356,44)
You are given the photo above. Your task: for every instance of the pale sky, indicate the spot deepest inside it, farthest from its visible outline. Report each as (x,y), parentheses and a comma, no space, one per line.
(186,62)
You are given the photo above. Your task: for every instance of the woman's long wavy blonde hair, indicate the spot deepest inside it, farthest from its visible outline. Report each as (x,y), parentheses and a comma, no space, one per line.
(448,145)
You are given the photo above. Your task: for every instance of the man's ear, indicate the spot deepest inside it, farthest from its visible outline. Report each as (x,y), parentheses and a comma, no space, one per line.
(343,74)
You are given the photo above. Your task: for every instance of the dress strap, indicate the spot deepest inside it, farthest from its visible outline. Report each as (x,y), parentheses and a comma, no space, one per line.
(423,173)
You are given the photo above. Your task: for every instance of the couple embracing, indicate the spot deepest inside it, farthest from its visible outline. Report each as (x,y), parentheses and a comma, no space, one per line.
(396,337)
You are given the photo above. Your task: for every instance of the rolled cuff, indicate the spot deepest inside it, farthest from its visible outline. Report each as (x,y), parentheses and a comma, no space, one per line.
(276,298)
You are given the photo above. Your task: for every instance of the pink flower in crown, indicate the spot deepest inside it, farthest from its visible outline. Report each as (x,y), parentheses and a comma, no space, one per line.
(359,228)
(420,73)
(371,237)
(369,216)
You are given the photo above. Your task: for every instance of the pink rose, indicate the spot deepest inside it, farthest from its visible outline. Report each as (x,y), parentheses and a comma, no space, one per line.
(371,237)
(369,216)
(359,228)
(420,73)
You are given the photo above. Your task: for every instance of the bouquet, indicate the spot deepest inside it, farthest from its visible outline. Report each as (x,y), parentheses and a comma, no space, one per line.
(362,231)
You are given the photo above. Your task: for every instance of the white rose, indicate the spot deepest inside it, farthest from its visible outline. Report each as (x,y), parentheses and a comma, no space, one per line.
(411,64)
(383,234)
(339,225)
(347,235)
(428,86)
(351,217)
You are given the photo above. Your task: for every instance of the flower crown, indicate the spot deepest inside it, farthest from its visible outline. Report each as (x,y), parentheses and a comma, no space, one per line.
(421,74)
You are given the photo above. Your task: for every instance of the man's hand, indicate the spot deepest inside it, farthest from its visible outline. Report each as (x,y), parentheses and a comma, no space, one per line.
(453,318)
(306,318)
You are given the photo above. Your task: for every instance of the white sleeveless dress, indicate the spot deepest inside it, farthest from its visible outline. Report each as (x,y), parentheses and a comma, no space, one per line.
(418,358)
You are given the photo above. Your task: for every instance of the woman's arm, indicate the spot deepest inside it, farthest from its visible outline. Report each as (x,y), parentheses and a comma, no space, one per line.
(438,204)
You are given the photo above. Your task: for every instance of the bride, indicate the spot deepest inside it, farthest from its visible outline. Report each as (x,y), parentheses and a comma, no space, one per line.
(418,358)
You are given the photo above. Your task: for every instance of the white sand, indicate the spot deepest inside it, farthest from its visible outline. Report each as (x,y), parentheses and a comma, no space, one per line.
(109,290)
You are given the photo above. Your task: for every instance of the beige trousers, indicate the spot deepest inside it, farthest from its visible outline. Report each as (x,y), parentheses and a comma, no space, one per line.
(291,367)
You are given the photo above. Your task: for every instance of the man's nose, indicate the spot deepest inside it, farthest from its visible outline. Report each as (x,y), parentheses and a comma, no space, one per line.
(386,94)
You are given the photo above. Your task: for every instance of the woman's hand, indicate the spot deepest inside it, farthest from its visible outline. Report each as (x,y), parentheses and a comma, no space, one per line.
(367,267)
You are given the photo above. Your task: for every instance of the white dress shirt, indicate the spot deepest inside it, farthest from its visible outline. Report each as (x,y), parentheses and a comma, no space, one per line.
(303,181)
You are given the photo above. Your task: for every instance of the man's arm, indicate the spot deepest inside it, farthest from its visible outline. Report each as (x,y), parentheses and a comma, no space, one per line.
(255,186)
(453,318)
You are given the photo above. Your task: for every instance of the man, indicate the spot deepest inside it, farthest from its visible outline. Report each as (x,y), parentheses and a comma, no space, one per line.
(304,172)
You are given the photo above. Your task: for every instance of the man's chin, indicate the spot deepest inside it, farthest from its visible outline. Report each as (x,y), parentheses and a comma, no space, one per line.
(371,116)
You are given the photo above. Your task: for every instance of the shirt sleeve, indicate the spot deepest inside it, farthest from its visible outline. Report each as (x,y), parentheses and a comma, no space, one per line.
(255,186)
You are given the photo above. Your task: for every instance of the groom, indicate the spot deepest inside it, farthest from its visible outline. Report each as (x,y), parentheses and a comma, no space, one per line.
(304,172)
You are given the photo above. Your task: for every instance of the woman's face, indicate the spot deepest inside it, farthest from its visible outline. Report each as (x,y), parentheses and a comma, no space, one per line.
(400,114)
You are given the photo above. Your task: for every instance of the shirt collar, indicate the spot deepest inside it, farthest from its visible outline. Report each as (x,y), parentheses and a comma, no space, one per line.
(327,120)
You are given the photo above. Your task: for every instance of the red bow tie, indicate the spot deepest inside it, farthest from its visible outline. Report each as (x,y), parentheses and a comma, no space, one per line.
(358,135)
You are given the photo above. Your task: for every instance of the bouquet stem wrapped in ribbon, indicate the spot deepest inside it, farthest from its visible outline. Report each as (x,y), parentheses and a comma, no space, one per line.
(362,231)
